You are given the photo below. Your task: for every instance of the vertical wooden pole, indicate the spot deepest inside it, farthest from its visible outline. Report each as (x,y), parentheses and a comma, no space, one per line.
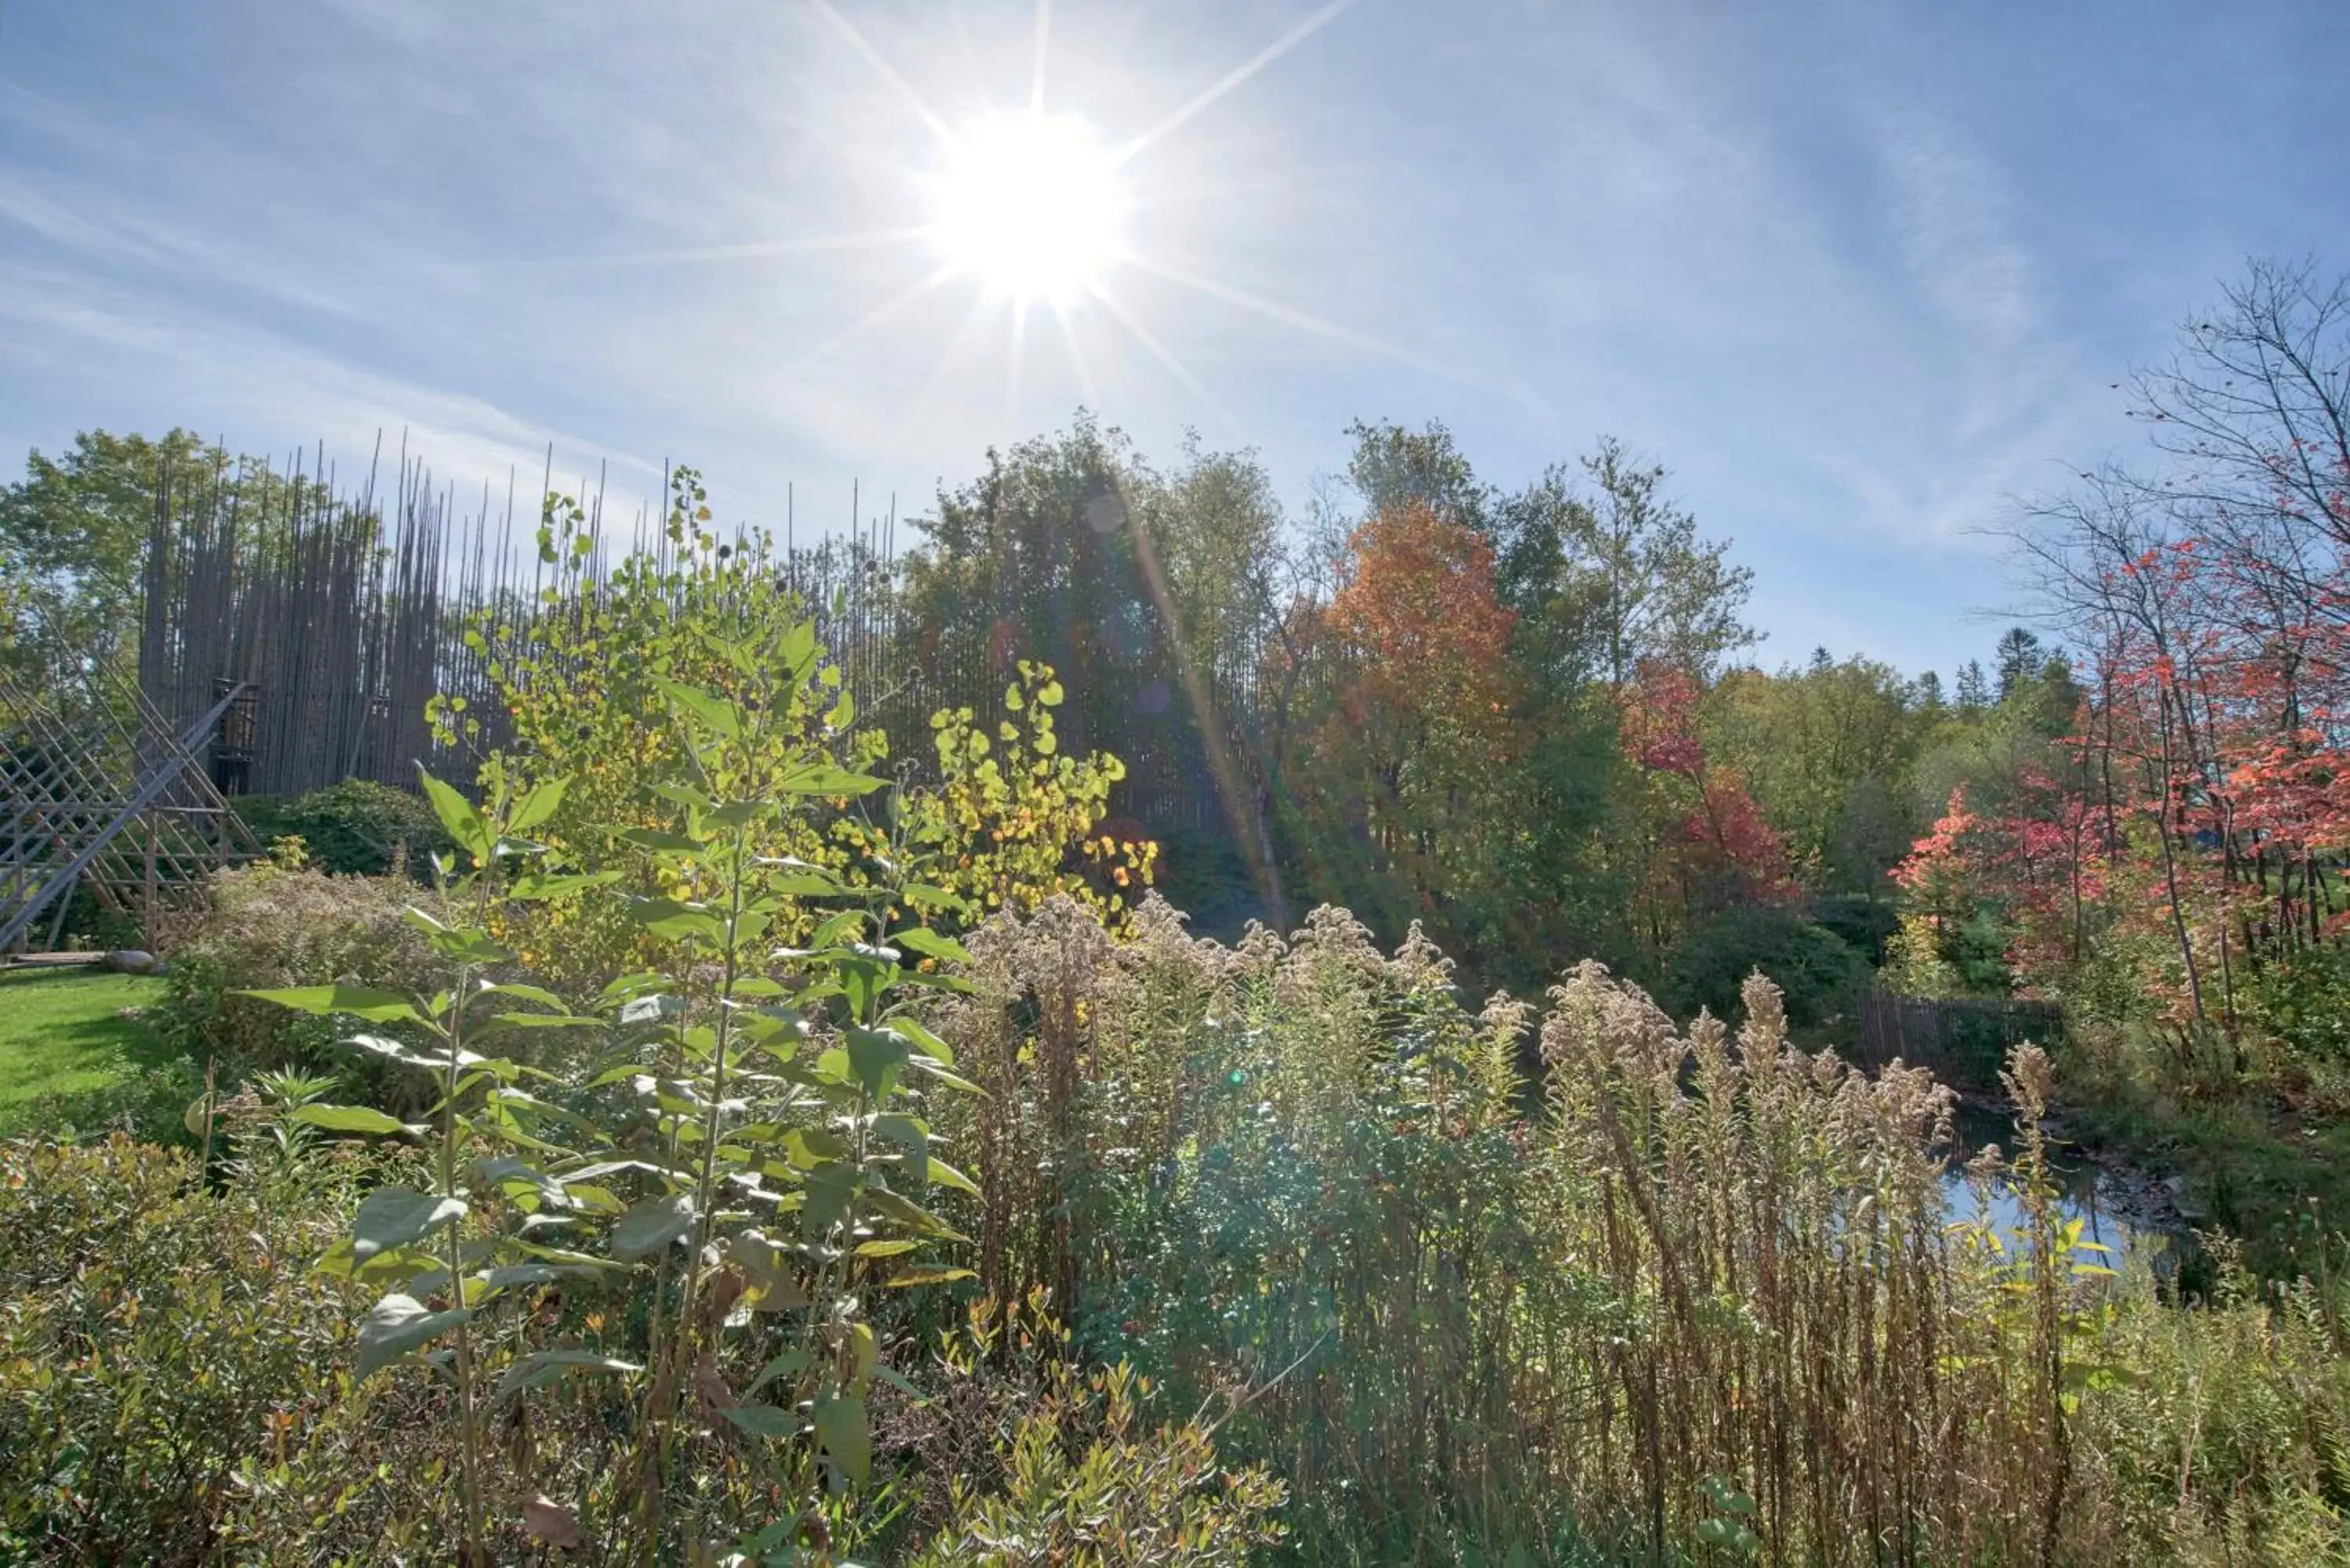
(147,919)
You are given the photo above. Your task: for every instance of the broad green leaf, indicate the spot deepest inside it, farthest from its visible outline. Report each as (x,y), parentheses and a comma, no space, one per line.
(541,802)
(840,929)
(930,944)
(651,1225)
(652,1009)
(395,1216)
(693,799)
(359,1000)
(797,650)
(912,1215)
(489,1282)
(901,1383)
(911,1135)
(552,885)
(629,987)
(544,1367)
(927,1274)
(866,977)
(662,842)
(922,896)
(808,1148)
(457,815)
(790,1364)
(763,1420)
(537,994)
(595,1199)
(378,1045)
(346,1120)
(613,1167)
(668,918)
(829,778)
(847,1442)
(565,1255)
(396,1325)
(929,1044)
(877,1056)
(946,1175)
(342,1261)
(512,1174)
(925,1065)
(757,985)
(715,713)
(826,1198)
(774,1284)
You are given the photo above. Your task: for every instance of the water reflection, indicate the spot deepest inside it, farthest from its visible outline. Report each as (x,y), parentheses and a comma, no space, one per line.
(2111,1214)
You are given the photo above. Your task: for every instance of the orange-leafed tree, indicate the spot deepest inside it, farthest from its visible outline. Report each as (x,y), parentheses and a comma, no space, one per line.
(1414,701)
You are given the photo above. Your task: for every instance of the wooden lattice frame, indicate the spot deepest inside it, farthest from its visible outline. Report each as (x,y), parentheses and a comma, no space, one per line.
(95,789)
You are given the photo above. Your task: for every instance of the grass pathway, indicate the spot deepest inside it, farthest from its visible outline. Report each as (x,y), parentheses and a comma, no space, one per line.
(62,1032)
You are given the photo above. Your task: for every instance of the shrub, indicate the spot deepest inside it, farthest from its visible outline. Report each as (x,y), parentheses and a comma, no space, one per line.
(1817,973)
(267,925)
(154,1335)
(1866,924)
(742,1168)
(1003,815)
(2301,998)
(360,827)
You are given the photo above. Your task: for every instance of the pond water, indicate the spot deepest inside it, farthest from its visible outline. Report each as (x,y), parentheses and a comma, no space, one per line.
(2119,1210)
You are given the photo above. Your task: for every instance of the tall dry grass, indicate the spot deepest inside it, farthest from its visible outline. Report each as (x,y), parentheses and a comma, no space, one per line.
(1700,1296)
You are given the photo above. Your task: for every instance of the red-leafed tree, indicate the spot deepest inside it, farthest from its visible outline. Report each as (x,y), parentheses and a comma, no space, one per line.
(2195,847)
(1697,842)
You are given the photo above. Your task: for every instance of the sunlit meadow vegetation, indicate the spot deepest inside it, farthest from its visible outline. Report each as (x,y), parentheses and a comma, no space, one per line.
(728,1128)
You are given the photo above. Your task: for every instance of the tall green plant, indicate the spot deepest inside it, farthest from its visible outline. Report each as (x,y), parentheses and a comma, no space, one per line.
(765,1124)
(476,1131)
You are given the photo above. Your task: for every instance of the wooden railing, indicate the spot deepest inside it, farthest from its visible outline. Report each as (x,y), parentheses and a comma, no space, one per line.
(1965,1040)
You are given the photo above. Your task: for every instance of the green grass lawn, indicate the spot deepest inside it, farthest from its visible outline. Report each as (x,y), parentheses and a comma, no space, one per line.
(62,1032)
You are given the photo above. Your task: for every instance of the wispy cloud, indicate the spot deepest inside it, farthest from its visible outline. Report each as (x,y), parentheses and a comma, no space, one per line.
(1856,273)
(272,393)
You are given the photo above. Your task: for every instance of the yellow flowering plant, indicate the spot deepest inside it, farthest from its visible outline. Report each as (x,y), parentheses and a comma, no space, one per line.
(587,679)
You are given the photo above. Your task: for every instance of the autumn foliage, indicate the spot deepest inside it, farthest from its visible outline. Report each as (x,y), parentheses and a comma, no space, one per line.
(1413,696)
(1701,842)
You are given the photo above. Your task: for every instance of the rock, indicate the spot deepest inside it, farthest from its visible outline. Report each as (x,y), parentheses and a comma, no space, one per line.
(130,960)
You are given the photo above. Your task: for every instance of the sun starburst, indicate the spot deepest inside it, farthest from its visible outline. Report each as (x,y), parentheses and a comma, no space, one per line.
(1029,205)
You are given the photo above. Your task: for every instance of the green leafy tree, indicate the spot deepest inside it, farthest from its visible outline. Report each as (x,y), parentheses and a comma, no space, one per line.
(73,536)
(1816,747)
(1393,468)
(1617,575)
(73,539)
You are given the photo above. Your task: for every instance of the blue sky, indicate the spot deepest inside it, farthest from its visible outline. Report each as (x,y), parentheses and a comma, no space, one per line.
(1860,274)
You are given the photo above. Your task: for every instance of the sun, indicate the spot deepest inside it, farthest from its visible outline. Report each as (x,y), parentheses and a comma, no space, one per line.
(1029,204)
